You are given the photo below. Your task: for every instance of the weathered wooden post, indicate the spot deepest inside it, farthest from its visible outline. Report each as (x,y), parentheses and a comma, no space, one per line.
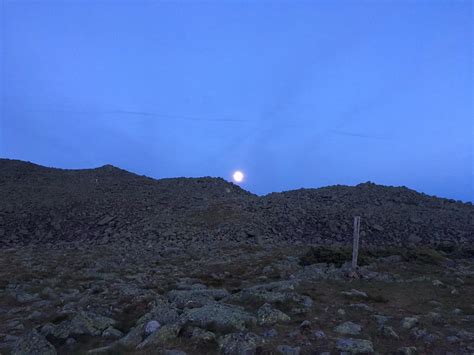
(355,245)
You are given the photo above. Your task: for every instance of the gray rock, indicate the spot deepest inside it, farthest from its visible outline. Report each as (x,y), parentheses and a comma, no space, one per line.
(407,350)
(202,336)
(465,335)
(220,316)
(111,332)
(71,341)
(84,323)
(354,346)
(270,333)
(240,344)
(413,238)
(151,327)
(162,311)
(409,322)
(33,344)
(388,332)
(452,339)
(24,297)
(381,320)
(288,350)
(319,335)
(267,315)
(305,325)
(362,306)
(163,335)
(438,283)
(355,293)
(348,328)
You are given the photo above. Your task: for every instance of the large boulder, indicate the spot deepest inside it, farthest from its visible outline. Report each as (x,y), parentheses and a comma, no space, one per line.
(83,323)
(267,315)
(219,317)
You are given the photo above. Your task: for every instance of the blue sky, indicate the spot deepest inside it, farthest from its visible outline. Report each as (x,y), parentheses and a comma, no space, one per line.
(294,93)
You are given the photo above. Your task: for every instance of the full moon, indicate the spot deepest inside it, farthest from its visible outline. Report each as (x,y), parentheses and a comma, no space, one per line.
(238,176)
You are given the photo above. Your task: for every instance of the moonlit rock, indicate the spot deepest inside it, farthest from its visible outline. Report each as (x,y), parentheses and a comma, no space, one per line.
(152,326)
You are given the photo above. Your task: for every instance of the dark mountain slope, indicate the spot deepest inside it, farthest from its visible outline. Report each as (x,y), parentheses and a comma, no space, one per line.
(106,204)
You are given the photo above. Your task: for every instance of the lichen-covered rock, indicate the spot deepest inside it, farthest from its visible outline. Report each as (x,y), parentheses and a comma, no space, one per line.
(83,323)
(267,315)
(355,346)
(240,344)
(220,317)
(348,328)
(33,344)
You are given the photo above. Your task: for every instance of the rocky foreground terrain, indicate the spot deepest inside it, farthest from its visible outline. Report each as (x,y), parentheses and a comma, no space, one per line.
(103,261)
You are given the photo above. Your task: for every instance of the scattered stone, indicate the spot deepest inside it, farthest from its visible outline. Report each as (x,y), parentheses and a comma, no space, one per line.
(166,333)
(349,328)
(70,341)
(33,343)
(413,238)
(409,322)
(174,352)
(162,312)
(83,323)
(305,325)
(381,320)
(319,335)
(111,332)
(271,333)
(196,297)
(105,220)
(407,350)
(151,327)
(267,315)
(354,346)
(355,293)
(240,343)
(224,317)
(202,336)
(362,306)
(438,283)
(452,339)
(388,332)
(457,311)
(288,350)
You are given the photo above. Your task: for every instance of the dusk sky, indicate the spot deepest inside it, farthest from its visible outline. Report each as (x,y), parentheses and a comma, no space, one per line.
(293,93)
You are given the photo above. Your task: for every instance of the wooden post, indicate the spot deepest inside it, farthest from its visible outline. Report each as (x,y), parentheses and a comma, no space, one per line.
(355,245)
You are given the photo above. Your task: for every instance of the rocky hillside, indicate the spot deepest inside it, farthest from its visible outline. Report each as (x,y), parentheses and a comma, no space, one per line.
(107,204)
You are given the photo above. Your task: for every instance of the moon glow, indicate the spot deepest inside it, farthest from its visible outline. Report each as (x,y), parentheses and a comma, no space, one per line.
(238,176)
